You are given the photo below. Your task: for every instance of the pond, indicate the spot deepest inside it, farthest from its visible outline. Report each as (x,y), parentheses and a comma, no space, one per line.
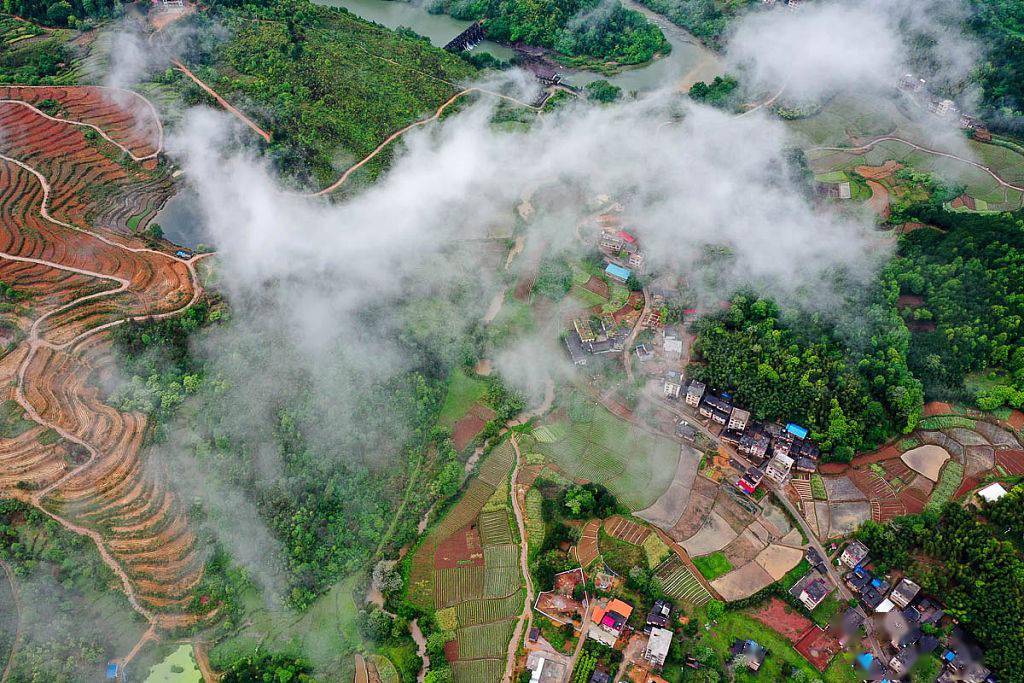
(688,62)
(182,220)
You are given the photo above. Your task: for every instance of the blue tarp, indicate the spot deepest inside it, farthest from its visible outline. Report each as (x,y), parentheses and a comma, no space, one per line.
(865,660)
(949,656)
(618,272)
(876,582)
(796,430)
(111,672)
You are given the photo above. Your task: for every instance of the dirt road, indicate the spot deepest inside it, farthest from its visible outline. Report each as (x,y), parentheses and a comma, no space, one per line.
(221,101)
(893,138)
(525,621)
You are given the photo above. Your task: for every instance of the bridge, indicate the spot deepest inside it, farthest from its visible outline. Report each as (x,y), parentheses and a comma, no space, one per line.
(468,39)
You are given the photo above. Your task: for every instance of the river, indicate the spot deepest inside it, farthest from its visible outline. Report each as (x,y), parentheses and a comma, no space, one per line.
(688,62)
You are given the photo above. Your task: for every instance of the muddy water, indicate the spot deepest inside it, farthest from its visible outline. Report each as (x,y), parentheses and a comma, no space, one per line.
(689,61)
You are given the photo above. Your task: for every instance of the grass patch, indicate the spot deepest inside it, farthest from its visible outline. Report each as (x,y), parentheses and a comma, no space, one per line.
(617,299)
(178,667)
(908,444)
(939,422)
(619,555)
(822,614)
(712,566)
(463,392)
(589,299)
(12,424)
(655,549)
(48,437)
(782,658)
(818,487)
(949,482)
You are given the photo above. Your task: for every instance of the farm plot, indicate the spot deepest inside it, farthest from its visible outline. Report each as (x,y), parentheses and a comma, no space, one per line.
(635,466)
(478,600)
(484,640)
(456,584)
(502,567)
(626,530)
(679,583)
(494,528)
(476,670)
(474,612)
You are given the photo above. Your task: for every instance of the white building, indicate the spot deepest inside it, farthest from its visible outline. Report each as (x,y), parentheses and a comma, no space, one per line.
(778,468)
(657,646)
(992,493)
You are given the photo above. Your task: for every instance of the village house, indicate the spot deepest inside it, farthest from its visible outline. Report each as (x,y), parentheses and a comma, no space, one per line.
(811,589)
(575,348)
(854,554)
(750,480)
(657,647)
(609,621)
(694,393)
(660,615)
(738,419)
(673,384)
(778,468)
(686,431)
(716,409)
(748,653)
(992,493)
(617,272)
(904,593)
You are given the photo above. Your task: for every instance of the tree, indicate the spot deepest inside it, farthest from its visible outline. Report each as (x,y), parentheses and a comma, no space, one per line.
(579,500)
(439,674)
(714,609)
(603,91)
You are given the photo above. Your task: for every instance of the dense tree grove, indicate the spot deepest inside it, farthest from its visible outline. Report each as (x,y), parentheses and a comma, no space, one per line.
(575,28)
(852,393)
(268,668)
(999,24)
(719,93)
(970,276)
(61,12)
(979,576)
(317,78)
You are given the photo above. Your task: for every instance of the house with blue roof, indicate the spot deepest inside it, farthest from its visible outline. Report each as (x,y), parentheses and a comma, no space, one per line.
(617,272)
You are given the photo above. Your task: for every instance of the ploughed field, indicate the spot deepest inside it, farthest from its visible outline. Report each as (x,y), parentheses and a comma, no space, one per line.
(76,163)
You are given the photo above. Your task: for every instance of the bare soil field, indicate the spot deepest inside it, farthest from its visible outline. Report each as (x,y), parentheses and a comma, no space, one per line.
(783,619)
(779,559)
(926,460)
(743,582)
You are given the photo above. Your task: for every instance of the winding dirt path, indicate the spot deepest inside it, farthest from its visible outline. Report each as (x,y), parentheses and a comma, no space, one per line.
(525,621)
(391,138)
(894,138)
(17,610)
(221,101)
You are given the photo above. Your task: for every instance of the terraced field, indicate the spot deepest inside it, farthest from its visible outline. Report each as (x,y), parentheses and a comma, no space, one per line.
(68,183)
(478,601)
